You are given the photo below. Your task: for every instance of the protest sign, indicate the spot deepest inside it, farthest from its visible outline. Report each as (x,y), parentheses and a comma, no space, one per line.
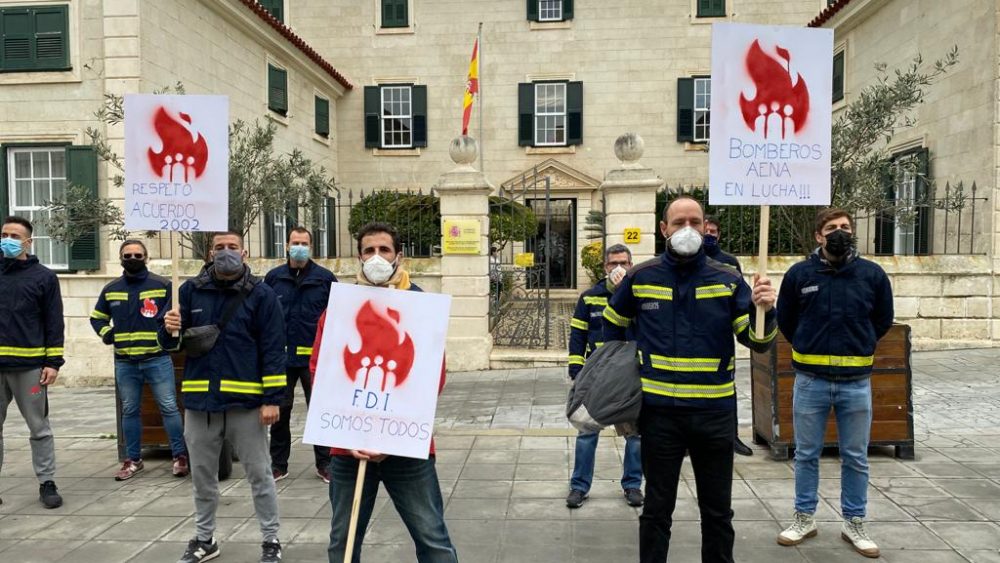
(176,162)
(379,370)
(770,115)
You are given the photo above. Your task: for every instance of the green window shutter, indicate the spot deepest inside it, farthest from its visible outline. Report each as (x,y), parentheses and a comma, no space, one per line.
(419,99)
(526,114)
(277,90)
(372,115)
(275,7)
(711,8)
(574,113)
(685,110)
(51,34)
(838,76)
(533,10)
(567,10)
(394,13)
(17,47)
(331,227)
(322,117)
(291,216)
(923,226)
(4,194)
(81,170)
(885,221)
(269,235)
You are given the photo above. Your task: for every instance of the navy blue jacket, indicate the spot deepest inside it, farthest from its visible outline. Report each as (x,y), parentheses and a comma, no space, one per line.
(303,295)
(586,328)
(246,368)
(684,314)
(834,316)
(128,312)
(31,316)
(719,255)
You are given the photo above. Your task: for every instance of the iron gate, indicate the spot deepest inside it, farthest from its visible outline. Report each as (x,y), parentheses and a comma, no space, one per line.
(520,263)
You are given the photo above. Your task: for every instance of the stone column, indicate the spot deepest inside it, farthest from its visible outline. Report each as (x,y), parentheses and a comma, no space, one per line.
(464,193)
(630,198)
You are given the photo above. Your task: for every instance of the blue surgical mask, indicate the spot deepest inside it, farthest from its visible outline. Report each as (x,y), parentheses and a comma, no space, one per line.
(298,253)
(11,247)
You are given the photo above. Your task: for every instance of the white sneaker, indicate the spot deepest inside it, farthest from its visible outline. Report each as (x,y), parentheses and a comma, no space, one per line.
(853,531)
(803,527)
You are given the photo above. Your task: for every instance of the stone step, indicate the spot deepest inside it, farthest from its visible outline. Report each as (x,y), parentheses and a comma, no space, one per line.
(516,358)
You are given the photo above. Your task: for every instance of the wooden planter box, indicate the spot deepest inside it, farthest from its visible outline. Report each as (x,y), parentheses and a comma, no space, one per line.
(772,379)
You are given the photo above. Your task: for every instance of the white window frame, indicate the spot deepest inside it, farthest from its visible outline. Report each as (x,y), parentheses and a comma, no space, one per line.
(539,115)
(704,109)
(32,211)
(402,117)
(321,240)
(905,239)
(550,7)
(279,232)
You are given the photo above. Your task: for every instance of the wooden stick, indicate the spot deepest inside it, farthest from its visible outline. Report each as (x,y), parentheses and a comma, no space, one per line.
(175,279)
(355,508)
(765,223)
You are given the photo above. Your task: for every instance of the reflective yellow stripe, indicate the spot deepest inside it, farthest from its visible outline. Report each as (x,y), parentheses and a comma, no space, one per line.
(23,352)
(835,361)
(710,291)
(116,296)
(688,391)
(133,336)
(732,364)
(615,318)
(684,364)
(598,344)
(53,352)
(770,336)
(740,324)
(245,387)
(104,330)
(575,360)
(653,292)
(137,350)
(95,314)
(577,323)
(195,385)
(275,380)
(304,350)
(594,300)
(152,293)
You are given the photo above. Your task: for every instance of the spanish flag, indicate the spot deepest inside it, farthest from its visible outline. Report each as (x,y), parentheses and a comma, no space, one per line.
(471,88)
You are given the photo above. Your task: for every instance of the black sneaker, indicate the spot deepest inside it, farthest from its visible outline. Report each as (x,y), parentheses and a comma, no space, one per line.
(198,551)
(48,494)
(270,552)
(634,497)
(575,499)
(742,449)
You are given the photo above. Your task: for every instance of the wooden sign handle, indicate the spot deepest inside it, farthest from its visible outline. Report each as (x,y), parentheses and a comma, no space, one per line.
(355,508)
(175,286)
(765,223)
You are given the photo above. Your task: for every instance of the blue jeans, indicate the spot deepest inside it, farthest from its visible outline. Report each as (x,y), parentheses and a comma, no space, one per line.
(583,467)
(852,406)
(412,485)
(159,374)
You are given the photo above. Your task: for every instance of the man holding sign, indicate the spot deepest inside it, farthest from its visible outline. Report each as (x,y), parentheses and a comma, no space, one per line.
(684,310)
(375,392)
(231,327)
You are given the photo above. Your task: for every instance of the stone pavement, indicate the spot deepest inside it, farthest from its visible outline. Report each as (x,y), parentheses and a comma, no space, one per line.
(504,454)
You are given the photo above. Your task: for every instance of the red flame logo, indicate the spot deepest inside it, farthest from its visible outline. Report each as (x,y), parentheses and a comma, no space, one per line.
(180,148)
(777,99)
(386,350)
(148,309)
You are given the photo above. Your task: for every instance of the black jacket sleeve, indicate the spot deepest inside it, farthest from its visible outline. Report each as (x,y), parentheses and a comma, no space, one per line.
(788,305)
(882,312)
(54,328)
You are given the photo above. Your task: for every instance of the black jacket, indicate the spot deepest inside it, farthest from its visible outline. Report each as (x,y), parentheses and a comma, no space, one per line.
(31,316)
(834,316)
(128,312)
(303,295)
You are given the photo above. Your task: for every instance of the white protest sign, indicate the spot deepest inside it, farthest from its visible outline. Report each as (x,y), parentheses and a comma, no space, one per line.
(176,162)
(379,370)
(771,115)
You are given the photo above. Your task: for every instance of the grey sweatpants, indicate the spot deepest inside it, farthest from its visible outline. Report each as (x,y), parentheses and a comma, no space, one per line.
(33,401)
(204,433)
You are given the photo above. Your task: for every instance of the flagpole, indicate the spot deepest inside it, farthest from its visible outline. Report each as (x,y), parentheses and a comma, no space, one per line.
(479,77)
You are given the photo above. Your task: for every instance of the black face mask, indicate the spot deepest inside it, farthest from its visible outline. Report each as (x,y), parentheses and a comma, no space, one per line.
(133,266)
(839,243)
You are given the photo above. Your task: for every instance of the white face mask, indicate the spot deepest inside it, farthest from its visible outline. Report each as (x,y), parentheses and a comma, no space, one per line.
(615,276)
(378,270)
(686,241)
